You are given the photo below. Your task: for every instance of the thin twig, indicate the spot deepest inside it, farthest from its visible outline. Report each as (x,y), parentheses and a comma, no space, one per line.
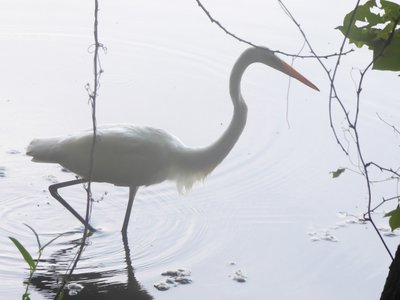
(222,27)
(97,71)
(288,89)
(333,95)
(384,201)
(389,170)
(387,123)
(376,57)
(358,144)
(235,36)
(312,55)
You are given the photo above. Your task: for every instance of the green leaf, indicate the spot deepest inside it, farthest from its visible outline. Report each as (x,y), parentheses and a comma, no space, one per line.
(60,295)
(25,253)
(363,35)
(389,58)
(375,32)
(26,297)
(392,10)
(394,220)
(36,235)
(338,172)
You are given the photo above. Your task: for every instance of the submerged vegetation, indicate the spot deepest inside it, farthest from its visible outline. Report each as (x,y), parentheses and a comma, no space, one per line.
(32,263)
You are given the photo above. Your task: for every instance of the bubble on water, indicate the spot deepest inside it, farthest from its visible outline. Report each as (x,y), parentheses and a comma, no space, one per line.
(176,273)
(74,289)
(383,228)
(327,236)
(183,280)
(2,171)
(13,151)
(387,231)
(239,276)
(162,286)
(390,234)
(170,281)
(175,277)
(51,179)
(322,235)
(341,224)
(351,221)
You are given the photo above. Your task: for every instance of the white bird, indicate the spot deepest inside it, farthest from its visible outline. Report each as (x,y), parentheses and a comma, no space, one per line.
(133,156)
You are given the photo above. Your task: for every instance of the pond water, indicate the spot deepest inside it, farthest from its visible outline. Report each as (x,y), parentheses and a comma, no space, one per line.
(271,211)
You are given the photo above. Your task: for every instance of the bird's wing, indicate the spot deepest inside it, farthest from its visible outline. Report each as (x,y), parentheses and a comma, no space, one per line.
(124,154)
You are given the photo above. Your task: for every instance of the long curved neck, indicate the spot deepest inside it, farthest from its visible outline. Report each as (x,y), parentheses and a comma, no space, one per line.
(217,151)
(195,164)
(205,159)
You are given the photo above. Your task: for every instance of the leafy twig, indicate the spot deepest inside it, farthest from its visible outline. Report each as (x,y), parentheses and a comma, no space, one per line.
(28,257)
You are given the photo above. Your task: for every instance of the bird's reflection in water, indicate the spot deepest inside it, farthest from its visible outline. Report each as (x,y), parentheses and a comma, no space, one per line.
(87,285)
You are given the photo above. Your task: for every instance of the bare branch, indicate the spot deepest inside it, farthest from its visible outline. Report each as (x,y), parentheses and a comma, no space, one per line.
(383,169)
(222,27)
(235,36)
(97,71)
(312,55)
(352,125)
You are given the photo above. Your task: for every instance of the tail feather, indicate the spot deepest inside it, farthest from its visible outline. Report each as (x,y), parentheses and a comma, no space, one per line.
(43,150)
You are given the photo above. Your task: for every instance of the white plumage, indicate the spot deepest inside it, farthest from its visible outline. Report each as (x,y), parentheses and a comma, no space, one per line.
(125,155)
(133,156)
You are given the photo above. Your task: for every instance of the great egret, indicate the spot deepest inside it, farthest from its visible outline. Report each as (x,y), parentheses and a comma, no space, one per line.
(133,156)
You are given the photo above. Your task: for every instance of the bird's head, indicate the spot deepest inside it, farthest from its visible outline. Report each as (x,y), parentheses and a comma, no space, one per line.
(268,57)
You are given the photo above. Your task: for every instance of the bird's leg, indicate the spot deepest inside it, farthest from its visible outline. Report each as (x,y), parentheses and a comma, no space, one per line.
(54,192)
(132,193)
(128,260)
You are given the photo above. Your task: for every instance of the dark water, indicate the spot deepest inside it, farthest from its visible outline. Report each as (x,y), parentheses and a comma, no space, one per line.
(98,283)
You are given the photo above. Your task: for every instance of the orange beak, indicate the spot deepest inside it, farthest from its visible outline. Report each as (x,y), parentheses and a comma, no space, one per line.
(287,69)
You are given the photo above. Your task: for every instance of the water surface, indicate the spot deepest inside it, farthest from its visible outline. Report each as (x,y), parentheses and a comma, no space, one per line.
(270,209)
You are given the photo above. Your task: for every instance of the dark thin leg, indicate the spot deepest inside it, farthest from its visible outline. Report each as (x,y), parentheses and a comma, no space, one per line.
(131,276)
(132,193)
(54,192)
